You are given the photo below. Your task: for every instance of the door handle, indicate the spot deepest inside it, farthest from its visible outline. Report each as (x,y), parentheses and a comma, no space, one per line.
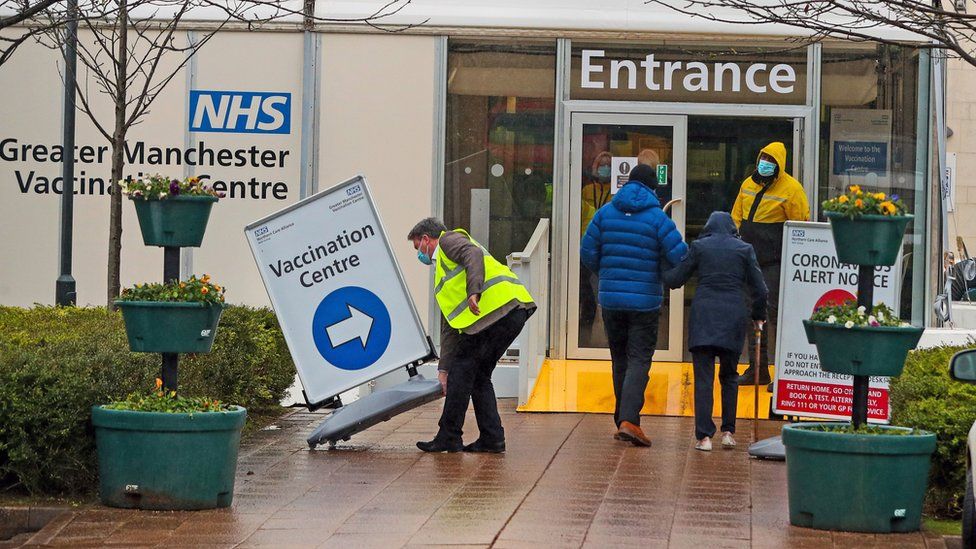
(667,207)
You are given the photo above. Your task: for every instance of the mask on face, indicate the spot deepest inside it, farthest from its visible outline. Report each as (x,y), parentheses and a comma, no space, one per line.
(603,172)
(766,168)
(423,257)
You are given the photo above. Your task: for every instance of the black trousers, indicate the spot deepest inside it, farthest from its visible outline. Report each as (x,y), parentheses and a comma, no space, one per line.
(469,379)
(632,336)
(703,359)
(767,349)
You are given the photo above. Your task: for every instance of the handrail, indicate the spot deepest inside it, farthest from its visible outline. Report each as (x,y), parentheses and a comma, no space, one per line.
(531,265)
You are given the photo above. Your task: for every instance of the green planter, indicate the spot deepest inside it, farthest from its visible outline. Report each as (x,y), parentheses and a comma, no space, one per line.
(862,350)
(153,460)
(178,221)
(170,327)
(868,239)
(856,483)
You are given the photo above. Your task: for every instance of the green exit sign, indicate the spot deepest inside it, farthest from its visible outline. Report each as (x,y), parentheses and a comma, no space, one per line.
(662,175)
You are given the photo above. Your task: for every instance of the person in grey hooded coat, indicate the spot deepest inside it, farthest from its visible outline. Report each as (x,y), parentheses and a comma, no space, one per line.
(726,266)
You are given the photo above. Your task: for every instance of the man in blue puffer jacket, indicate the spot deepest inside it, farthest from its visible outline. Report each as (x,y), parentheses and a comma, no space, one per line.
(627,244)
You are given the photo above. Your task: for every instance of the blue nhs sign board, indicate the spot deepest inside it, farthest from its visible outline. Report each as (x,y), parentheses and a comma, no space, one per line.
(240,112)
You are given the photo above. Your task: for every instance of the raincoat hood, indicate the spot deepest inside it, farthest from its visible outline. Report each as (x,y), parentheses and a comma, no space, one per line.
(720,223)
(777,150)
(635,197)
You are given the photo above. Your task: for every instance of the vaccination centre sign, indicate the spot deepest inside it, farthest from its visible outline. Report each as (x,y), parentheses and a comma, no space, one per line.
(337,290)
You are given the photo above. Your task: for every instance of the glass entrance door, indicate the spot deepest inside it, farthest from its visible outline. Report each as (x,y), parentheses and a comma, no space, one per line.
(604,148)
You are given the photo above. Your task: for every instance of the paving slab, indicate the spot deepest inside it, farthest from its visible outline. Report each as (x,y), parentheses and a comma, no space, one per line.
(564,482)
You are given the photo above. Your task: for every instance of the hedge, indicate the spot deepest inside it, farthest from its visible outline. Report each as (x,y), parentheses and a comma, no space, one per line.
(924,396)
(56,363)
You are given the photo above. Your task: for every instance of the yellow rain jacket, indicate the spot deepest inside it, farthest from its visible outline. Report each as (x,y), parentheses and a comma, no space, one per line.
(761,212)
(595,196)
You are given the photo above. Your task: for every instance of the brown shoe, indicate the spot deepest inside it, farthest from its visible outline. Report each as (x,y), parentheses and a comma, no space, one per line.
(630,432)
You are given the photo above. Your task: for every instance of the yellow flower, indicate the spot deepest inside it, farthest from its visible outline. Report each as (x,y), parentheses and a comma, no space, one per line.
(843,199)
(217,287)
(879,196)
(172,393)
(159,383)
(204,290)
(859,203)
(182,284)
(205,279)
(856,189)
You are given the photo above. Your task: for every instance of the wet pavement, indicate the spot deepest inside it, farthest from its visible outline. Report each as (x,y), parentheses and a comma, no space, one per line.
(564,482)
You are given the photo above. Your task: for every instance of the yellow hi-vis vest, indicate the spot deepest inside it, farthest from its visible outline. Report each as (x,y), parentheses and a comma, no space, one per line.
(450,288)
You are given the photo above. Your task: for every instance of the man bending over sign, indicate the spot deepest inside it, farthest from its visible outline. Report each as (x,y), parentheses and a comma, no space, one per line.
(484,307)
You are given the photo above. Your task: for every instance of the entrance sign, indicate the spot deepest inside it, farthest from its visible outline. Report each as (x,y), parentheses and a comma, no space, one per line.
(337,290)
(812,276)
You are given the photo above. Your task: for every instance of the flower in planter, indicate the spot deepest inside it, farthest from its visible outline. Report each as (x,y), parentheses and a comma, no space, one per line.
(855,202)
(850,314)
(192,290)
(158,187)
(159,400)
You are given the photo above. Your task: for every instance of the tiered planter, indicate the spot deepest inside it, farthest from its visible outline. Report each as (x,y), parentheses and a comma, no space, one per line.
(860,482)
(149,460)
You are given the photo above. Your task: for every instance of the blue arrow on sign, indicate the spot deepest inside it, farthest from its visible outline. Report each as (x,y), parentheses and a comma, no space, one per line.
(351,328)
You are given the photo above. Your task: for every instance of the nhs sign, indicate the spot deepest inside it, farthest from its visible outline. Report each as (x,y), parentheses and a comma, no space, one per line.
(240,112)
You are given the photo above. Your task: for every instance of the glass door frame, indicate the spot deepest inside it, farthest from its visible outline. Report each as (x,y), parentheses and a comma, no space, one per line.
(679,160)
(805,151)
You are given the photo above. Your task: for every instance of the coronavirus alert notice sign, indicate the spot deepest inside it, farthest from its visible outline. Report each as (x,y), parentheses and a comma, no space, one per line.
(337,290)
(811,277)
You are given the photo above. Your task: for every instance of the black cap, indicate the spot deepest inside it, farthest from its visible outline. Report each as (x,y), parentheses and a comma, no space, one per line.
(645,174)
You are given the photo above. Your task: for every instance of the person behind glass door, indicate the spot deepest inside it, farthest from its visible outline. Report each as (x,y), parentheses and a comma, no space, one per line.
(725,266)
(766,201)
(627,244)
(595,194)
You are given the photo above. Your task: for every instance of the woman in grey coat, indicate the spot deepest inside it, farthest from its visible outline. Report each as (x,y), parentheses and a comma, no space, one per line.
(726,267)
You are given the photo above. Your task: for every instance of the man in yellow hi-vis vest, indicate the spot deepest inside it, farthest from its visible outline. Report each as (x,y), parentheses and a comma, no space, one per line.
(484,307)
(767,200)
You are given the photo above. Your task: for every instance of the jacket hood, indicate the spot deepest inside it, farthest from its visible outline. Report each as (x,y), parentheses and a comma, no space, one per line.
(778,151)
(719,223)
(635,197)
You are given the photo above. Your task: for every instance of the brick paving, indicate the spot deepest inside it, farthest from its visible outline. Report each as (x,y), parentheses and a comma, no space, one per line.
(563,483)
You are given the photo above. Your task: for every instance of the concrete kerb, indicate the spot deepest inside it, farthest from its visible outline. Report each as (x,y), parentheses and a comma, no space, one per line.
(16,520)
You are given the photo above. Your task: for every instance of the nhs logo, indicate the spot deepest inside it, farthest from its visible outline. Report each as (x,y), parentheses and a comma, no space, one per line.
(240,112)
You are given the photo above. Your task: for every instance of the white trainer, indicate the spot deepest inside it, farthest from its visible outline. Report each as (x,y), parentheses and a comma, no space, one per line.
(728,441)
(705,445)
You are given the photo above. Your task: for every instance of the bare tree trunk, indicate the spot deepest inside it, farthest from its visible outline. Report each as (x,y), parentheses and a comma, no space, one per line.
(118,159)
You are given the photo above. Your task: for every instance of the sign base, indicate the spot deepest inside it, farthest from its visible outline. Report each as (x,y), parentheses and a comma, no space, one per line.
(375,408)
(770,448)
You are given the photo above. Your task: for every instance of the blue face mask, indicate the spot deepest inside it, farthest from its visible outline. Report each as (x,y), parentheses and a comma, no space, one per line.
(603,171)
(766,168)
(423,257)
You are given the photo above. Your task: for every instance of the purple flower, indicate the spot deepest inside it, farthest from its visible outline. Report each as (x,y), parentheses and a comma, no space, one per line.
(174,187)
(893,197)
(221,195)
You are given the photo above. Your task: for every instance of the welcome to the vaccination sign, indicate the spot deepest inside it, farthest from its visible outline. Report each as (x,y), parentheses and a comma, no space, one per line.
(811,277)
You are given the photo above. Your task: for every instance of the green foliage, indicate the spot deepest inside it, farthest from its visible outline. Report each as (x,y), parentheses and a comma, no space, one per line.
(192,290)
(56,363)
(849,312)
(158,187)
(855,203)
(925,397)
(158,399)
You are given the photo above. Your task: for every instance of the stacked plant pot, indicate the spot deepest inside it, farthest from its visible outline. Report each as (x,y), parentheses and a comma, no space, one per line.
(161,460)
(852,477)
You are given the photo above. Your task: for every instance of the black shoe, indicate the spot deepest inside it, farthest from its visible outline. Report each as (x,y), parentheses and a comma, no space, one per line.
(748,377)
(485,447)
(439,446)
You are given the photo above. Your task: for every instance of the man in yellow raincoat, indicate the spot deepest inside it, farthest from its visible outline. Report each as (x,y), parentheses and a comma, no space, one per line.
(767,200)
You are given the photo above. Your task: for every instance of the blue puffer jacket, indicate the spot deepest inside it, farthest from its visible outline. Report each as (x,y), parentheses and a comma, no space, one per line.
(626,243)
